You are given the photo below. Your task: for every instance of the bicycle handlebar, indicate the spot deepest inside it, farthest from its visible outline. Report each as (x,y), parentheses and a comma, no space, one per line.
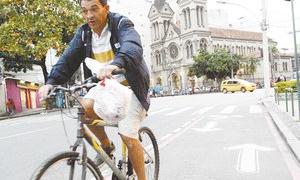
(87,84)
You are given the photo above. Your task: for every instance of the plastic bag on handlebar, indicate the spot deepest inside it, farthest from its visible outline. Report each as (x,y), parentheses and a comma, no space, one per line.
(110,100)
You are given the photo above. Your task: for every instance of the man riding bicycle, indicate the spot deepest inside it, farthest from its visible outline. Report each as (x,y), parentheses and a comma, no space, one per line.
(108,38)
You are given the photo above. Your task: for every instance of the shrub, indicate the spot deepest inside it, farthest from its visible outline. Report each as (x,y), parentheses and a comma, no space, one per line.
(286,84)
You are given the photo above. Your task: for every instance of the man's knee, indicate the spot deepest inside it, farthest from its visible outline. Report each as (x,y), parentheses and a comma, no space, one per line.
(130,142)
(88,105)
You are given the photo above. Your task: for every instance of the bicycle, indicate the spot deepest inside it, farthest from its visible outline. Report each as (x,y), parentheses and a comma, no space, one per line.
(64,165)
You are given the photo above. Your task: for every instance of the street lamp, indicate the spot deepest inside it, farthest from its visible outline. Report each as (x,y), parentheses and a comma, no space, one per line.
(296,55)
(265,43)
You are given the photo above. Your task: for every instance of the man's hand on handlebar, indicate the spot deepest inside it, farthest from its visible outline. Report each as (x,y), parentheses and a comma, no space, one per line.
(44,90)
(106,71)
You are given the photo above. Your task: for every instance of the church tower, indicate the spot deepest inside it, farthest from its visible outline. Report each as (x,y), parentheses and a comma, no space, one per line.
(160,16)
(193,15)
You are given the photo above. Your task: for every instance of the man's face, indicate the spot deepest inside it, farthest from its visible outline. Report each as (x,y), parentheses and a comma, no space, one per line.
(95,14)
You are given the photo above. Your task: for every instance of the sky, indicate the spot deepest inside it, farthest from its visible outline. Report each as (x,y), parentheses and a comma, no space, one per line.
(242,14)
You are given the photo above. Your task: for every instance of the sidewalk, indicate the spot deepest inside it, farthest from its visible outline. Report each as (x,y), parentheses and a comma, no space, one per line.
(288,126)
(27,113)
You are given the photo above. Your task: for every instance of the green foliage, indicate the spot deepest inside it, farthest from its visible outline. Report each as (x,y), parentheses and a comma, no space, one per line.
(30,28)
(214,65)
(286,84)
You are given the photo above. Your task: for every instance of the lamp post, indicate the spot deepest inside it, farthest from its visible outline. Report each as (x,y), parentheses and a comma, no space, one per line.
(265,43)
(296,55)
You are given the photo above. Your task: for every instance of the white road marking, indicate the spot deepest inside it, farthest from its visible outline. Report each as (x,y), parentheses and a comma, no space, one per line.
(177,130)
(165,137)
(209,127)
(159,111)
(178,111)
(255,109)
(248,161)
(174,136)
(228,110)
(20,134)
(187,123)
(202,111)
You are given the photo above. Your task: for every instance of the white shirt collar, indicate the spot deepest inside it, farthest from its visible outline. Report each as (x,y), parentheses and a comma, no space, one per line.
(103,33)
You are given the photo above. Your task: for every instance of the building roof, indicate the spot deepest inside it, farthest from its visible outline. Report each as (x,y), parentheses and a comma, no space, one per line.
(235,34)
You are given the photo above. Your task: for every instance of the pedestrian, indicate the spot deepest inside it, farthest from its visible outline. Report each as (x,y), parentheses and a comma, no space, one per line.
(109,38)
(10,105)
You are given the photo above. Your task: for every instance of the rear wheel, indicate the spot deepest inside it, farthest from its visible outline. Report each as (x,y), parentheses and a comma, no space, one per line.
(224,91)
(66,165)
(243,89)
(151,153)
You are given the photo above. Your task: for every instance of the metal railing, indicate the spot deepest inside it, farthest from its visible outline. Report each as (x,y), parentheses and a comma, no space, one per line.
(288,97)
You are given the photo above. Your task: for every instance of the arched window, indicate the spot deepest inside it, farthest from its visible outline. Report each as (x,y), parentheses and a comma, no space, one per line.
(185,18)
(189,17)
(157,30)
(158,58)
(189,50)
(198,15)
(203,44)
(166,25)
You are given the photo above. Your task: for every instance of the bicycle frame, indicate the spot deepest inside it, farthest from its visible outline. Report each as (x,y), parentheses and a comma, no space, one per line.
(83,132)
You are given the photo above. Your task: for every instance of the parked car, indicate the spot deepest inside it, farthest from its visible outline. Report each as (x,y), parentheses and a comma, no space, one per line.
(234,85)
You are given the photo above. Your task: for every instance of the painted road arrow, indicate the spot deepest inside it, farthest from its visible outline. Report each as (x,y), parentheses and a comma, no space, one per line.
(247,161)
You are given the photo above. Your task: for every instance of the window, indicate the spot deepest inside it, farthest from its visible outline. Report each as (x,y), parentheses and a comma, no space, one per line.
(203,44)
(189,50)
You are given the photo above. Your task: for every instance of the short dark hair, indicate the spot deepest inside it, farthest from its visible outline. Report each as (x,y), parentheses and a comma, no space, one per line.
(103,2)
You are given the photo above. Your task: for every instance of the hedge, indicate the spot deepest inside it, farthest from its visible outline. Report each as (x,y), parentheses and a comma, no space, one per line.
(286,84)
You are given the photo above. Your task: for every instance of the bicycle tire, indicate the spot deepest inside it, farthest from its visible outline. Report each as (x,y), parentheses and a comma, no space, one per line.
(42,170)
(147,131)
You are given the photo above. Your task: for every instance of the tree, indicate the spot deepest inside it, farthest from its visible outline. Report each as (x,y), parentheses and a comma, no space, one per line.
(214,65)
(30,28)
(252,64)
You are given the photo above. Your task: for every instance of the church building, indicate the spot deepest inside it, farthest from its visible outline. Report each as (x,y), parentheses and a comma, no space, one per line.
(173,44)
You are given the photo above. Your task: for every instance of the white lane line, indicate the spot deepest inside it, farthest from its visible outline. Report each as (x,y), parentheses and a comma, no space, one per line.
(228,110)
(165,137)
(177,130)
(159,111)
(203,110)
(174,136)
(255,109)
(178,111)
(187,123)
(20,134)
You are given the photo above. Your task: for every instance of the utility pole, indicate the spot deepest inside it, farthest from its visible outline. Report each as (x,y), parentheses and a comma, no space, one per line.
(296,55)
(266,63)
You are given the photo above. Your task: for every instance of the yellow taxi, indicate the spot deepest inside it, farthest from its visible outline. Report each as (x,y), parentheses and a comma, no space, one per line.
(234,85)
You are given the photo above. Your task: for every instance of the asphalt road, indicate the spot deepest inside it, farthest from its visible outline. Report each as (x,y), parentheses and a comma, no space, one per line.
(201,137)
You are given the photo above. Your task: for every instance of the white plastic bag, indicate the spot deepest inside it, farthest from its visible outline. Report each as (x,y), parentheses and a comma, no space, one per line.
(110,97)
(110,100)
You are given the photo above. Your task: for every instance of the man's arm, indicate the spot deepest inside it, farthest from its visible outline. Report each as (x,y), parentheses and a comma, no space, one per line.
(130,44)
(69,62)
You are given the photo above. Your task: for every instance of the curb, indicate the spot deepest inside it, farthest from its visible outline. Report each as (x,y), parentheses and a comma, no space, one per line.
(290,139)
(27,114)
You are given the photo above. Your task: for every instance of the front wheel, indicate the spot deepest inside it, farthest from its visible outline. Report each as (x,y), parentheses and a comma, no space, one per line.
(243,90)
(151,153)
(66,165)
